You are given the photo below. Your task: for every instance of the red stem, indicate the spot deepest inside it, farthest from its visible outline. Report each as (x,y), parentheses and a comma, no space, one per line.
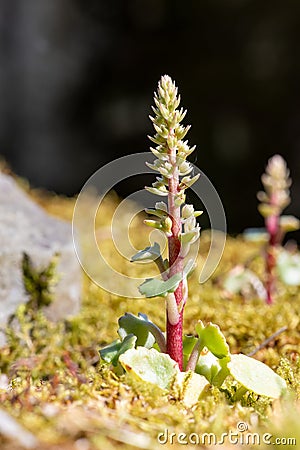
(272,225)
(174,331)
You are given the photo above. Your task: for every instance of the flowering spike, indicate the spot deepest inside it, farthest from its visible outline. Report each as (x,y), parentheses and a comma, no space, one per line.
(171,153)
(276,182)
(273,201)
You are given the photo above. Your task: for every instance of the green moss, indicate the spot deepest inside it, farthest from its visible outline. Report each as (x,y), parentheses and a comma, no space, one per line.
(62,393)
(38,282)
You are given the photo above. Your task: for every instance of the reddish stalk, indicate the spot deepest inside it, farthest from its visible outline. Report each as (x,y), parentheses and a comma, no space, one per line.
(272,225)
(174,331)
(274,199)
(169,144)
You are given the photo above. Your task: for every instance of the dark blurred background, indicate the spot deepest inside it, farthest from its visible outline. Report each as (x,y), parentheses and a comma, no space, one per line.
(77,79)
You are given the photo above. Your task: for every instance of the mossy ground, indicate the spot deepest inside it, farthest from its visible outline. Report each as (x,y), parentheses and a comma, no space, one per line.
(68,399)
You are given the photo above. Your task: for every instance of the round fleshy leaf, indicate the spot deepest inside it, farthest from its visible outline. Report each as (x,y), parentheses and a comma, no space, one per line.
(212,338)
(243,281)
(208,365)
(289,223)
(288,266)
(139,326)
(214,369)
(191,385)
(145,330)
(149,366)
(255,234)
(255,376)
(235,280)
(112,352)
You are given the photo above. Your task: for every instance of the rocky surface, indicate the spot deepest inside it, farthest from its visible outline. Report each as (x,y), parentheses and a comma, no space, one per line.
(26,227)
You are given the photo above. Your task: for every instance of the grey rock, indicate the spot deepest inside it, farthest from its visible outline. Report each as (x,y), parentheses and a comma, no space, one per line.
(26,227)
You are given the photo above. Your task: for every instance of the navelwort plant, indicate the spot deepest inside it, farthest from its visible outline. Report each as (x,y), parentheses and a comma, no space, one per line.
(143,350)
(273,200)
(280,262)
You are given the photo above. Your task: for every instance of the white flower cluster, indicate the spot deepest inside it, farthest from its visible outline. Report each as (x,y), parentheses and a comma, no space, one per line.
(276,182)
(169,142)
(190,227)
(163,221)
(171,152)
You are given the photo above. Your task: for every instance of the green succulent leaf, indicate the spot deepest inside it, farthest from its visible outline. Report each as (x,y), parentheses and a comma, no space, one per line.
(153,223)
(155,287)
(188,344)
(212,368)
(149,253)
(111,352)
(267,210)
(156,191)
(187,182)
(145,330)
(288,266)
(212,338)
(189,237)
(156,212)
(289,223)
(255,376)
(210,353)
(149,366)
(223,372)
(245,282)
(208,366)
(255,235)
(191,385)
(138,326)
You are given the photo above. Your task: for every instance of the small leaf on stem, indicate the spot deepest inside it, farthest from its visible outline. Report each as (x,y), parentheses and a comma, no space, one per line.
(149,253)
(212,338)
(154,287)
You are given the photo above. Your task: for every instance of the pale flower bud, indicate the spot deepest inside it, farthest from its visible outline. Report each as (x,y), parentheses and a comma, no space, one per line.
(187,211)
